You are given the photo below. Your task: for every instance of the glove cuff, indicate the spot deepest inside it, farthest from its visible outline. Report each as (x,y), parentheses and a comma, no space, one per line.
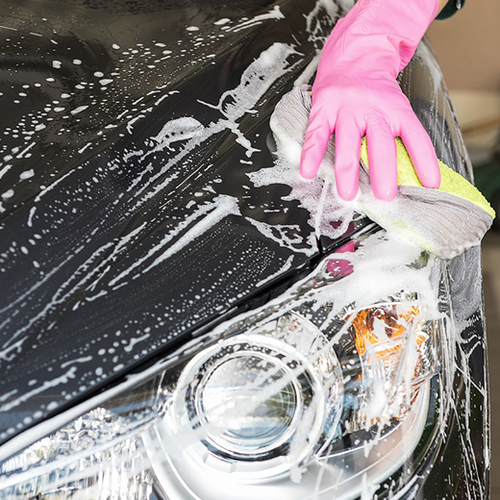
(385,31)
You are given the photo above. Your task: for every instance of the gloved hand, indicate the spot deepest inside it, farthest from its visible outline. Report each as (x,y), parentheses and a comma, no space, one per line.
(356,93)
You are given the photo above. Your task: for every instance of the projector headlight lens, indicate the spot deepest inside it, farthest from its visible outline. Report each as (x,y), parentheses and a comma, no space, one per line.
(237,409)
(263,401)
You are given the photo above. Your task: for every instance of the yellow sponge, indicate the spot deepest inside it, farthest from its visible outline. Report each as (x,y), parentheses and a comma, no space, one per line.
(451,182)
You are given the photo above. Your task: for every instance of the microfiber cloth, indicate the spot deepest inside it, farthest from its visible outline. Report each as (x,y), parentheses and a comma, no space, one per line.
(445,221)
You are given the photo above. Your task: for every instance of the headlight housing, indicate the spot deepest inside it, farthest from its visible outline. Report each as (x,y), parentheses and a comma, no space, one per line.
(323,391)
(259,403)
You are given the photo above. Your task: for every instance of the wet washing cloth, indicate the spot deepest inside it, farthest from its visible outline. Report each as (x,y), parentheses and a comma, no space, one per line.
(445,221)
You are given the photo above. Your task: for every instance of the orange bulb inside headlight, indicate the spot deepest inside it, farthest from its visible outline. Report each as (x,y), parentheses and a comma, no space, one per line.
(385,327)
(396,351)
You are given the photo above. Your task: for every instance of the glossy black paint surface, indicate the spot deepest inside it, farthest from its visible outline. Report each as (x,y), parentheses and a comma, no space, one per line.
(118,246)
(96,205)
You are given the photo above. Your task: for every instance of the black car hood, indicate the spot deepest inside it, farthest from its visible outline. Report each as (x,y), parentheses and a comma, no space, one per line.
(129,215)
(138,197)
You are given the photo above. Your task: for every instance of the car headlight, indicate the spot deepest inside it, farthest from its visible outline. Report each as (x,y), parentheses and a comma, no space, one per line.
(262,402)
(312,394)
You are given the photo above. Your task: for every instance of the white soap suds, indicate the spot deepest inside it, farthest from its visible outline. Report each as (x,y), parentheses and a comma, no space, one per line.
(27,174)
(79,109)
(274,13)
(222,21)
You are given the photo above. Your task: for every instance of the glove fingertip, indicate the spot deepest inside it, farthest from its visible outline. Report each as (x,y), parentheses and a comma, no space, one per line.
(347,193)
(308,170)
(432,178)
(310,159)
(386,192)
(307,173)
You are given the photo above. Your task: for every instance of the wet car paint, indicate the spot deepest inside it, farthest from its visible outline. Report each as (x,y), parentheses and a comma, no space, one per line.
(116,208)
(129,222)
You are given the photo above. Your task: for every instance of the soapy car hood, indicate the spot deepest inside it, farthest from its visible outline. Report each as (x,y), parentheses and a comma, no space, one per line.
(129,218)
(139,205)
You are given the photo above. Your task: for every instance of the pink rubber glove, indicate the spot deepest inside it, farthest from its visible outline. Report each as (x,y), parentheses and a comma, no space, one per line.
(356,93)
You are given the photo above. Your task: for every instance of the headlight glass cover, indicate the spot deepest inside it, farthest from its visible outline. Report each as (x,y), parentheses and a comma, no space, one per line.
(322,391)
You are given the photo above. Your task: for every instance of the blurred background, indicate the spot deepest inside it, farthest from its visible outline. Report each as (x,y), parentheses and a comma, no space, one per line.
(468,49)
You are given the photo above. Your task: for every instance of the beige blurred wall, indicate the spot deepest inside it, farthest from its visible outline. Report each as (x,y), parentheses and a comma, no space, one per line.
(468,46)
(468,49)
